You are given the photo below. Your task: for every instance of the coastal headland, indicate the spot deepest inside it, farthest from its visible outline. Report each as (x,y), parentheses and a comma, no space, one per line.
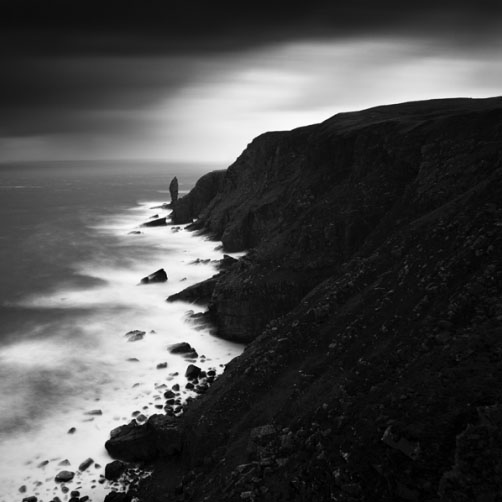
(370,300)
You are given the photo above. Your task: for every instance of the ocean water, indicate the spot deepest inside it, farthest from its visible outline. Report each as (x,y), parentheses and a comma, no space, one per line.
(69,269)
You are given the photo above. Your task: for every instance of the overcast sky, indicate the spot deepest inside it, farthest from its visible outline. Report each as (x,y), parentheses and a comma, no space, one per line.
(196,81)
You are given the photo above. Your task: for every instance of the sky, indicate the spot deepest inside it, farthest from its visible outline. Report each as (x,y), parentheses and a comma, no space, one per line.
(196,80)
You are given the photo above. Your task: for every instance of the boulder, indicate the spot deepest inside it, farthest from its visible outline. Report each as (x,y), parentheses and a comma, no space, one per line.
(160,436)
(114,470)
(158,276)
(64,476)
(192,372)
(159,222)
(180,348)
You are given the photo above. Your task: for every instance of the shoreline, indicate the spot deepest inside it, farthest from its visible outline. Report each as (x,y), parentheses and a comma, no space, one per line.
(159,372)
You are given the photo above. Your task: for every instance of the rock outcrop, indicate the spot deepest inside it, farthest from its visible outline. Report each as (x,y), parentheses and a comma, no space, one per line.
(173,190)
(186,209)
(371,298)
(160,436)
(158,276)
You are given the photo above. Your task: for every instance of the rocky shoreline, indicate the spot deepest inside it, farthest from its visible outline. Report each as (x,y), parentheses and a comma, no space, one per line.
(370,299)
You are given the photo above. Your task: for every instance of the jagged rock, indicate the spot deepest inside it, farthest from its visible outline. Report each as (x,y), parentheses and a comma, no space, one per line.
(114,470)
(198,293)
(159,222)
(192,372)
(64,476)
(158,276)
(160,436)
(173,190)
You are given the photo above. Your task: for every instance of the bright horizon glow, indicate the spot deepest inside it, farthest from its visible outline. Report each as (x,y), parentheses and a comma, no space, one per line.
(231,98)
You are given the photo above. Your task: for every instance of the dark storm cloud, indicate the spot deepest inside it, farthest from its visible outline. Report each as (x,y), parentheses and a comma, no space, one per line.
(125,26)
(90,67)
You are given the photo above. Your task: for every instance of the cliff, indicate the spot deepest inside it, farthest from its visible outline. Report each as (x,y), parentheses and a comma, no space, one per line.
(371,298)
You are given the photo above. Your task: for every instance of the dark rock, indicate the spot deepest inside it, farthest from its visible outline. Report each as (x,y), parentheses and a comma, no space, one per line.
(135,335)
(227,261)
(30,499)
(180,348)
(134,232)
(64,476)
(173,190)
(114,470)
(118,497)
(85,464)
(72,430)
(160,436)
(199,293)
(192,372)
(158,276)
(159,222)
(161,366)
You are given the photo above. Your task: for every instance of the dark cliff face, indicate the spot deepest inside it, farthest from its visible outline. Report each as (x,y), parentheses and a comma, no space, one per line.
(372,297)
(310,199)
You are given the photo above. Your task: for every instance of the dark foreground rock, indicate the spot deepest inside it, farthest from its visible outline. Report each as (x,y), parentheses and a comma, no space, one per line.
(371,301)
(159,436)
(158,276)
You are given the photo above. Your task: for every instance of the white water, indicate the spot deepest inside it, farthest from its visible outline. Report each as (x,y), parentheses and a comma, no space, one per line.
(82,362)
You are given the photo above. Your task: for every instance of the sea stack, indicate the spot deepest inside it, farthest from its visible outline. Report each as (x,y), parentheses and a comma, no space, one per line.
(173,190)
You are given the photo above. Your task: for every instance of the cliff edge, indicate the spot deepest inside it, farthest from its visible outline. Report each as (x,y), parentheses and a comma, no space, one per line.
(371,300)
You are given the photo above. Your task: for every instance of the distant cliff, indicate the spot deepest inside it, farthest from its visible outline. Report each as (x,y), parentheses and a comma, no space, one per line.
(371,295)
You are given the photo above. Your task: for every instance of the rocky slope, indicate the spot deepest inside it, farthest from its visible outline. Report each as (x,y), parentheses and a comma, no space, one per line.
(371,298)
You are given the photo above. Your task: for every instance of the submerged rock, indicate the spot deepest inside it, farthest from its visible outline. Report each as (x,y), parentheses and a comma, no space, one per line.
(135,335)
(158,276)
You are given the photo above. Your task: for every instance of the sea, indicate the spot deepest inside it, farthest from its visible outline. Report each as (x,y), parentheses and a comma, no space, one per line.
(72,253)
